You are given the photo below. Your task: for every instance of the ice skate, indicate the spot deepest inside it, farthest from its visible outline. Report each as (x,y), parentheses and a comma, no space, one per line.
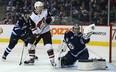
(3,57)
(29,61)
(35,57)
(61,64)
(53,63)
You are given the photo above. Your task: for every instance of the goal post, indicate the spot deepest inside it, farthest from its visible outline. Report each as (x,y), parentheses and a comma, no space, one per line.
(112,43)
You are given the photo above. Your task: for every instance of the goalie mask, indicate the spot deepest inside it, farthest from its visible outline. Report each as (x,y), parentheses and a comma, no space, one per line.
(38,6)
(76,29)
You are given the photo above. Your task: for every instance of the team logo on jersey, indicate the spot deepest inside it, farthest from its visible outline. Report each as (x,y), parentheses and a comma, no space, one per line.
(41,24)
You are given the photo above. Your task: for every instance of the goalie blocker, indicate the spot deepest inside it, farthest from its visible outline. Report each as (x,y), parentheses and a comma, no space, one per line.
(91,64)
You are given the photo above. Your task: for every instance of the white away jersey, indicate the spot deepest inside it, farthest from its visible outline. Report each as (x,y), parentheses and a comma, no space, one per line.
(39,21)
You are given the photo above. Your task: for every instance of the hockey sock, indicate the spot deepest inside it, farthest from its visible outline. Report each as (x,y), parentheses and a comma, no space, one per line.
(50,54)
(7,51)
(32,53)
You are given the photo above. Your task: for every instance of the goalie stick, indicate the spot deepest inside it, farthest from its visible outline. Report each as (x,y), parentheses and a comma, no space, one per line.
(21,59)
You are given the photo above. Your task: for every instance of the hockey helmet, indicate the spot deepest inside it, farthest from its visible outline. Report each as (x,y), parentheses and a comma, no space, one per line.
(76,29)
(76,26)
(25,14)
(37,4)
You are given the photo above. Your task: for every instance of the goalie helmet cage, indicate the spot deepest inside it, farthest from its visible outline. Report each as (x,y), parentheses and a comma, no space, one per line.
(112,43)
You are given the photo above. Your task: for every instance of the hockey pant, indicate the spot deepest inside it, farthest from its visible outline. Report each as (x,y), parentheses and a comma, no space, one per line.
(47,42)
(69,59)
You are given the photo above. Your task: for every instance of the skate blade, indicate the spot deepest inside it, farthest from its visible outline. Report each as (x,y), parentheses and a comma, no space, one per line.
(28,64)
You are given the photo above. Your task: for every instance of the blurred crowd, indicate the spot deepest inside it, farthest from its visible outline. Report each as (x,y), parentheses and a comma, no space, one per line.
(64,11)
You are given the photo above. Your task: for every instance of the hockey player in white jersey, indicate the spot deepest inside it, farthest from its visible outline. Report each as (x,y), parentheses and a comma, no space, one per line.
(40,20)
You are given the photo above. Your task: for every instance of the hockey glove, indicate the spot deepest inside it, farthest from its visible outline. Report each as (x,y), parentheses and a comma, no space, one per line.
(88,31)
(87,35)
(48,20)
(35,31)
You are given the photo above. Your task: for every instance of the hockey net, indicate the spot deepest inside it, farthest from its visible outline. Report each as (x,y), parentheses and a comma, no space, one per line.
(112,49)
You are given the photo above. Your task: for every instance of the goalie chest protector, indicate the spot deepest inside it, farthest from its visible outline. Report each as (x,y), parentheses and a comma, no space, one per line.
(91,64)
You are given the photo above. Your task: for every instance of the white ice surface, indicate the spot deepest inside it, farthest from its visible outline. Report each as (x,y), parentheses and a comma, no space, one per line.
(43,64)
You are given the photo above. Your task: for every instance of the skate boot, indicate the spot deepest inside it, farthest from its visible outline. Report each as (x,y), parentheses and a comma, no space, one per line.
(63,63)
(3,57)
(53,63)
(35,57)
(29,61)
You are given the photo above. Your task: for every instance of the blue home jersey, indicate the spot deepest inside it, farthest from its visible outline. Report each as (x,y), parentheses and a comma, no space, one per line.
(20,26)
(20,31)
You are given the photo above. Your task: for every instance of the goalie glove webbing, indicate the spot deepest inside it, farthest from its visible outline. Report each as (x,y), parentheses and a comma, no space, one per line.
(88,31)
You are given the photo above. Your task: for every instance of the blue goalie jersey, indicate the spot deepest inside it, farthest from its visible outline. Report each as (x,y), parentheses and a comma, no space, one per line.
(76,44)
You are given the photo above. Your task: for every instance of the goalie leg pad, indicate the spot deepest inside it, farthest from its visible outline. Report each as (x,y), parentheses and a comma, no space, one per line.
(91,64)
(62,47)
(67,60)
(61,62)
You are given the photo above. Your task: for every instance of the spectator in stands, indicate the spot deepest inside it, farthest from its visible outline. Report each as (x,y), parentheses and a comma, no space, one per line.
(7,20)
(14,17)
(10,7)
(26,6)
(63,7)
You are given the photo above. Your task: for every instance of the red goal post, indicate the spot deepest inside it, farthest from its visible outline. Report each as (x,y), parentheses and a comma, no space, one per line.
(112,43)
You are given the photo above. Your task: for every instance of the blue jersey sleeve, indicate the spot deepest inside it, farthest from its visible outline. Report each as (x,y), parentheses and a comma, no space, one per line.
(19,22)
(84,41)
(22,23)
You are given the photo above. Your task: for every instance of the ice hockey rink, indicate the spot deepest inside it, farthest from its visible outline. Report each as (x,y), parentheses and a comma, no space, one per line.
(43,64)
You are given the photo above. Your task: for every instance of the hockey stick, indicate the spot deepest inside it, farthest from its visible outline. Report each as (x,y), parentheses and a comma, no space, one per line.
(95,53)
(21,59)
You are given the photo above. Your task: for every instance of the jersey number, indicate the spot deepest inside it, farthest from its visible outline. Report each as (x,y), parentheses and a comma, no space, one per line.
(70,46)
